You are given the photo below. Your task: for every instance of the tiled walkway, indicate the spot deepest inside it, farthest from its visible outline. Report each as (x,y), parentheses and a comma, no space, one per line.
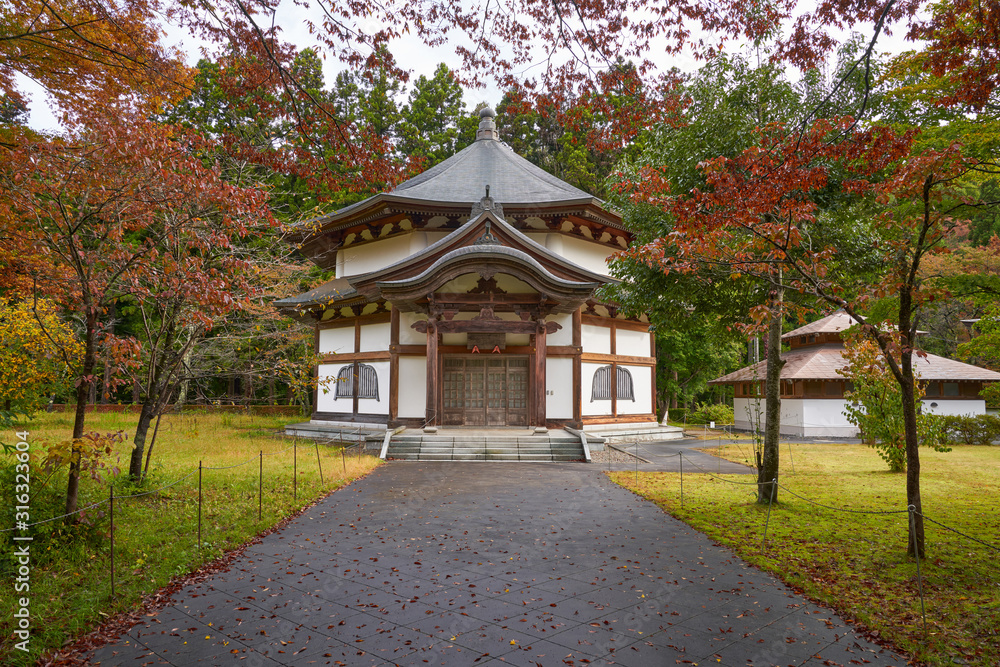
(518,564)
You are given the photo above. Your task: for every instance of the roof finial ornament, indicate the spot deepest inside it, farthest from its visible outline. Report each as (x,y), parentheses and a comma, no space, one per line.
(487,128)
(487,204)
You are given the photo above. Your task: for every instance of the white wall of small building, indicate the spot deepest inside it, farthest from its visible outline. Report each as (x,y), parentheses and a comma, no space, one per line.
(825,416)
(964,406)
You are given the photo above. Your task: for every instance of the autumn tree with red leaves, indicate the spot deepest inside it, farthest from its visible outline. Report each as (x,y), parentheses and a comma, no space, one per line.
(124,210)
(758,217)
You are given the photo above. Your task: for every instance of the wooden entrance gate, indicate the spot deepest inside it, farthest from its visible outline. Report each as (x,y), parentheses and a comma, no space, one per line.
(485,391)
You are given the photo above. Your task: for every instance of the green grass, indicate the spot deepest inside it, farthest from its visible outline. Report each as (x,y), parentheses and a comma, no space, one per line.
(857,563)
(155,535)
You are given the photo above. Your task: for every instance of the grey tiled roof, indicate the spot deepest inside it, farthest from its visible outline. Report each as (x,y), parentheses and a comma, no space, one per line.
(337,289)
(821,362)
(462,179)
(834,323)
(512,179)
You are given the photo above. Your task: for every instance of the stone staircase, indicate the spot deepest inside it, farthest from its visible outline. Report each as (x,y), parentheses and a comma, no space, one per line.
(339,432)
(619,434)
(496,445)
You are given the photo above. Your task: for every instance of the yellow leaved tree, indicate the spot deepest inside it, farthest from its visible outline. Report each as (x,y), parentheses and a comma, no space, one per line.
(35,344)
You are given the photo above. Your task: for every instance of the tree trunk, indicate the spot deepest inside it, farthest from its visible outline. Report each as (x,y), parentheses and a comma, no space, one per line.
(182,393)
(149,450)
(915,540)
(768,469)
(79,419)
(139,441)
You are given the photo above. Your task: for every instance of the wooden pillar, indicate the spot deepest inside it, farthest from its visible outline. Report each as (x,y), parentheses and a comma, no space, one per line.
(393,366)
(578,368)
(432,372)
(540,356)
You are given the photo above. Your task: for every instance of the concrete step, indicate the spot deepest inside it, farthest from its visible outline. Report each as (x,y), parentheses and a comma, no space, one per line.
(623,434)
(485,446)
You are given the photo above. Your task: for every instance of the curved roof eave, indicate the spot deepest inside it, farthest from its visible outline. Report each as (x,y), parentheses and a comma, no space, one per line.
(348,216)
(469,228)
(489,252)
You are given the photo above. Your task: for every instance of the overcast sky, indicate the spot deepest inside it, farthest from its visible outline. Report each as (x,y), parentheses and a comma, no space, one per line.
(410,51)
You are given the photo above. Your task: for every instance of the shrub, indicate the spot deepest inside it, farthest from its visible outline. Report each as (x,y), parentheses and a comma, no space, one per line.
(703,413)
(971,429)
(677,415)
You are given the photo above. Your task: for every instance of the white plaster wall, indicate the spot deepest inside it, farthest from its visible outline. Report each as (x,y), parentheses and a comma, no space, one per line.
(412,387)
(559,388)
(591,408)
(375,337)
(553,242)
(952,406)
(339,340)
(813,417)
(418,241)
(825,416)
(326,401)
(454,338)
(596,340)
(642,384)
(373,256)
(408,335)
(591,256)
(563,336)
(632,343)
(325,395)
(370,406)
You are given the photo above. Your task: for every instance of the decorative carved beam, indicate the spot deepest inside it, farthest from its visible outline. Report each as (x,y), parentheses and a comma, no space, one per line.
(487,326)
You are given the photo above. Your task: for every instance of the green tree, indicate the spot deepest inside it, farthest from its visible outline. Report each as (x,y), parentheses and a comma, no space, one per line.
(875,404)
(378,88)
(430,122)
(720,108)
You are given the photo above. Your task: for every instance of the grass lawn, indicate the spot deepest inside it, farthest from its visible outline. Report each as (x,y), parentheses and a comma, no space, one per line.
(155,534)
(856,563)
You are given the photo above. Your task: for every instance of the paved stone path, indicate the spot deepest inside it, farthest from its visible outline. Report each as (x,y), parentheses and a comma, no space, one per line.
(663,457)
(487,564)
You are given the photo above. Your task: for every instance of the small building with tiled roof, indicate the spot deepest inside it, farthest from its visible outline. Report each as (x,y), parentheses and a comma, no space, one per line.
(812,391)
(466,297)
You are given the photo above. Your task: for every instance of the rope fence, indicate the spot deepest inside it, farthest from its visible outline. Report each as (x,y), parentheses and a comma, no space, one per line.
(112,498)
(910,510)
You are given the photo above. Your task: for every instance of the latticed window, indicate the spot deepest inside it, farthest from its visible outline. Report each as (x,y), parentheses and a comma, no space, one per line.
(367,382)
(601,388)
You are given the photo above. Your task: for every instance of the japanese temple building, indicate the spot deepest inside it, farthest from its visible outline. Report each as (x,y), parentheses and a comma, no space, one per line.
(812,391)
(466,297)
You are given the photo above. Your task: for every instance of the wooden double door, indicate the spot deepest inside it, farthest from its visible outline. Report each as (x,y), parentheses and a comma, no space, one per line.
(485,390)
